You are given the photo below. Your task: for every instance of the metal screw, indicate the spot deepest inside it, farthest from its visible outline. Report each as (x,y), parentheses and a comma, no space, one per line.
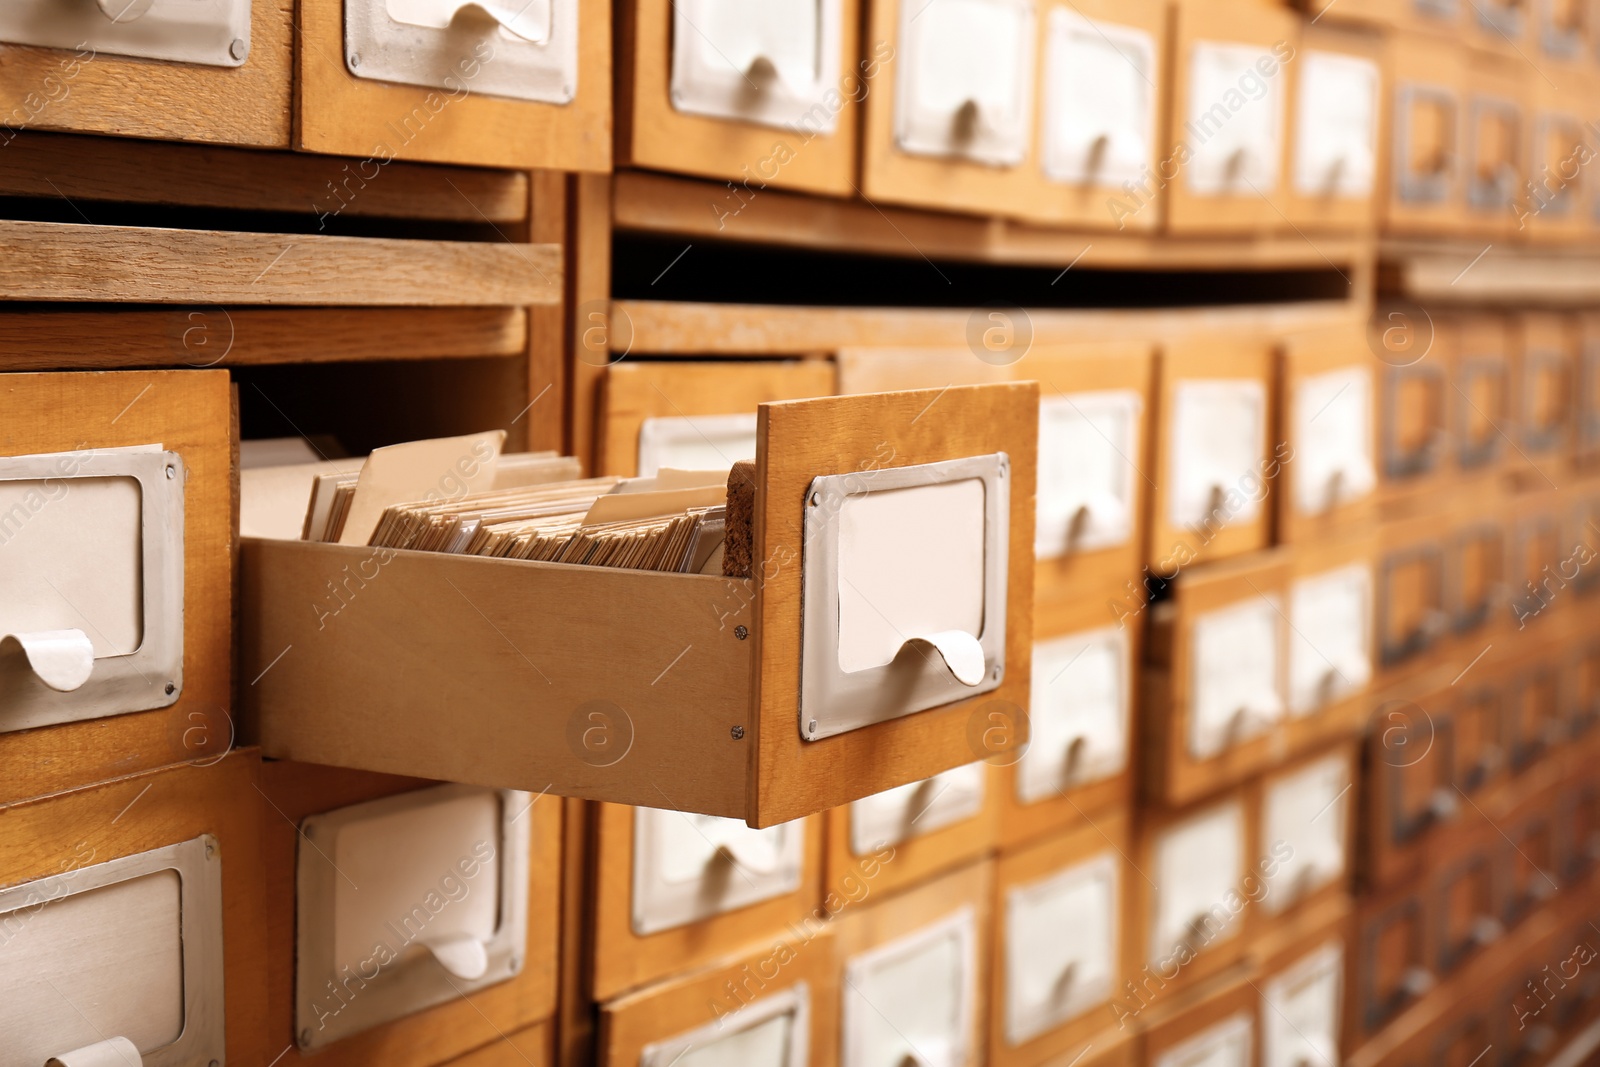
(355,61)
(238,50)
(171,688)
(172,472)
(816,499)
(305,1038)
(741,632)
(211,850)
(737,732)
(997,672)
(813,726)
(214,1063)
(516,964)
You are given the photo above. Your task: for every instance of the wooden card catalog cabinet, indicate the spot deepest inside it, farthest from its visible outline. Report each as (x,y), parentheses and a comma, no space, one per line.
(740,698)
(462,851)
(761,92)
(1332,647)
(114,573)
(482,82)
(1426,165)
(1338,102)
(1213,406)
(134,940)
(1307,826)
(1062,943)
(1196,907)
(172,69)
(956,126)
(911,984)
(1302,1009)
(1230,117)
(942,822)
(717,1018)
(1215,695)
(1327,407)
(693,416)
(679,889)
(1101,95)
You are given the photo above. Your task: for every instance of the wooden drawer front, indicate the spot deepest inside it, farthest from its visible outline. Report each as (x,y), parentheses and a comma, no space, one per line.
(1202,881)
(1545,387)
(1426,160)
(1482,405)
(1301,1008)
(1218,1031)
(1230,116)
(667,658)
(1468,910)
(1564,28)
(1329,415)
(199,81)
(953,126)
(776,1006)
(1529,859)
(1578,830)
(1080,719)
(1495,149)
(1501,24)
(1214,417)
(1061,944)
(1533,699)
(115,574)
(1462,1042)
(133,921)
(1476,573)
(911,978)
(1306,828)
(766,94)
(693,416)
(1586,404)
(1411,614)
(1478,735)
(1331,639)
(677,889)
(1392,966)
(1581,696)
(1338,90)
(366,78)
(1539,562)
(1556,201)
(1410,772)
(1413,424)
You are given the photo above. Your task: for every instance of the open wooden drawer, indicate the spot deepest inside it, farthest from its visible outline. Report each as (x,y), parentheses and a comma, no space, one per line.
(720,696)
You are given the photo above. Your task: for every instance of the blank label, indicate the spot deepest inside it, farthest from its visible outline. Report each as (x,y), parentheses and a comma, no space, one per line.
(913,997)
(1198,865)
(1218,434)
(1330,617)
(1235,659)
(1235,121)
(1079,714)
(1335,151)
(1086,484)
(1100,108)
(1061,947)
(966,79)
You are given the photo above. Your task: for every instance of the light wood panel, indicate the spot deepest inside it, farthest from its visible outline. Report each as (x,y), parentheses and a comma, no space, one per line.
(191,413)
(126,264)
(529,1047)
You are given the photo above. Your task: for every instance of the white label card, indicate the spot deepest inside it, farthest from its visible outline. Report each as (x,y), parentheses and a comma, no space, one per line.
(1336,125)
(1300,1011)
(1333,422)
(776,62)
(1304,817)
(688,867)
(965,86)
(1234,669)
(774,1031)
(1330,637)
(913,997)
(1234,127)
(1218,434)
(695,443)
(1226,1044)
(1087,480)
(1199,863)
(915,809)
(1078,716)
(1061,947)
(1100,105)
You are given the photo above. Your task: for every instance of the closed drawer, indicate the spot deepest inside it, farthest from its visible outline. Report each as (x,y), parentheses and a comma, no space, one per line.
(762,94)
(1553,203)
(133,920)
(397,900)
(1563,29)
(1408,780)
(1337,106)
(497,86)
(1478,732)
(1468,912)
(1332,650)
(1461,1042)
(1327,408)
(1426,159)
(1484,387)
(772,1006)
(1580,698)
(1412,614)
(1213,458)
(1414,423)
(1586,393)
(217,73)
(115,574)
(663,662)
(1095,408)
(1544,388)
(1543,566)
(1079,754)
(1215,692)
(912,974)
(1496,142)
(1217,1030)
(1193,914)
(693,416)
(953,126)
(1528,859)
(1533,708)
(1478,566)
(1392,961)
(1061,943)
(926,827)
(1502,26)
(1229,123)
(1577,825)
(677,890)
(1307,830)
(1302,1000)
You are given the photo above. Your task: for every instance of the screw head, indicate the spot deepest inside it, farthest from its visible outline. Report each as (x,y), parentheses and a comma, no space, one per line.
(516,964)
(737,733)
(816,499)
(996,672)
(239,49)
(171,688)
(305,1038)
(211,850)
(172,472)
(741,632)
(355,60)
(812,727)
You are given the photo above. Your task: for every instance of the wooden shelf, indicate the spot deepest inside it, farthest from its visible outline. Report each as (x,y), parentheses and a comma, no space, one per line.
(654,203)
(51,261)
(670,328)
(1480,271)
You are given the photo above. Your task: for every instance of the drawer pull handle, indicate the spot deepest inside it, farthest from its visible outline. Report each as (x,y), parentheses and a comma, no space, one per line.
(1442,805)
(487,14)
(960,651)
(754,854)
(1486,929)
(462,955)
(113,1052)
(125,10)
(965,123)
(1416,981)
(934,1052)
(62,659)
